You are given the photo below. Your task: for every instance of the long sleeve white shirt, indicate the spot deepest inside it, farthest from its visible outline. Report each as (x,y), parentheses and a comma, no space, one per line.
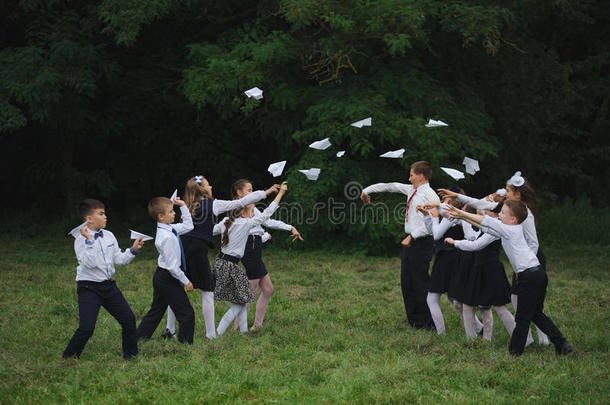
(415,225)
(168,246)
(221,206)
(270,223)
(97,258)
(518,252)
(240,230)
(477,244)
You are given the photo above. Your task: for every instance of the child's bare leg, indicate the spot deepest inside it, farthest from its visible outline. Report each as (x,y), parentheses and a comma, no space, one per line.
(263,300)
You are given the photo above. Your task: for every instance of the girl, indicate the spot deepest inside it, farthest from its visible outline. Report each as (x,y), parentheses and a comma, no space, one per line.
(231,283)
(204,208)
(252,260)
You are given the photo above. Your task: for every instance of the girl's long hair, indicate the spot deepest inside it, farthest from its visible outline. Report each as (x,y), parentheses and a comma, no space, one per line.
(193,193)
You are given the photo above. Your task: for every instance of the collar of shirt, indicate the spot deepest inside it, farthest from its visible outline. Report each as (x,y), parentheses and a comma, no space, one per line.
(167,227)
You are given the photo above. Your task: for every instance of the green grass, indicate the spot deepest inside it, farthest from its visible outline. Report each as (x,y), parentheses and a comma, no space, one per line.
(335,332)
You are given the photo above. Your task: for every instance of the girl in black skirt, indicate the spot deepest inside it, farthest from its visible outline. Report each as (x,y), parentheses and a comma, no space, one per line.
(204,209)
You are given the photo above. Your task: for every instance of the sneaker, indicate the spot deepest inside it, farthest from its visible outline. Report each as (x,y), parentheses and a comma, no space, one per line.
(563,348)
(167,334)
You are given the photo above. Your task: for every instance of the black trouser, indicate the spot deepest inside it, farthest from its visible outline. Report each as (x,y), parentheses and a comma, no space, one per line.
(92,295)
(168,291)
(415,281)
(531,293)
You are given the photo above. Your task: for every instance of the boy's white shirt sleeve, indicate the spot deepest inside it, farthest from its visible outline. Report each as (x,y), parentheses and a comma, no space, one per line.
(86,253)
(121,258)
(470,233)
(529,232)
(495,227)
(266,236)
(221,206)
(172,256)
(475,245)
(401,188)
(187,221)
(482,204)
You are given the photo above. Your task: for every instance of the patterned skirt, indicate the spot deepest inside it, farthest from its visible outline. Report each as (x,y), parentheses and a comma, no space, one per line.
(231,283)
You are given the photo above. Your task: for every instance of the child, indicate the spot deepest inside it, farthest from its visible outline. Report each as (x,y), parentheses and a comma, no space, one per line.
(204,209)
(231,283)
(169,279)
(530,275)
(418,244)
(97,252)
(252,259)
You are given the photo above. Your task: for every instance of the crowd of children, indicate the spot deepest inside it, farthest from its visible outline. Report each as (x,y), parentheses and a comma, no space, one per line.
(466,247)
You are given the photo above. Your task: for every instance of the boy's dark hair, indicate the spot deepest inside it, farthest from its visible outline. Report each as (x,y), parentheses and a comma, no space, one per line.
(422,167)
(518,209)
(88,205)
(499,206)
(157,206)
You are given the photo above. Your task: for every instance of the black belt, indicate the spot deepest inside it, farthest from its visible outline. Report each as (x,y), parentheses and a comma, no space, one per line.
(527,271)
(229,258)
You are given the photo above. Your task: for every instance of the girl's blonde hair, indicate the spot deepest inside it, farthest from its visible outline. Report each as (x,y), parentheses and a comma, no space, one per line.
(194,192)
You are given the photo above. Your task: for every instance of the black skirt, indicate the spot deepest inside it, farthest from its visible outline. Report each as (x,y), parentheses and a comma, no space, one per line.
(197,265)
(253,259)
(459,285)
(446,263)
(492,285)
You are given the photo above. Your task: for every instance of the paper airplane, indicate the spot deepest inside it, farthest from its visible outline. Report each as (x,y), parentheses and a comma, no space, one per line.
(76,231)
(321,145)
(173,197)
(456,174)
(501,192)
(276,168)
(136,235)
(394,154)
(254,92)
(435,123)
(340,153)
(312,174)
(472,165)
(367,122)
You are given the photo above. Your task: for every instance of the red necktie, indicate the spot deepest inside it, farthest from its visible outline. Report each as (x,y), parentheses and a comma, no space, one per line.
(409,204)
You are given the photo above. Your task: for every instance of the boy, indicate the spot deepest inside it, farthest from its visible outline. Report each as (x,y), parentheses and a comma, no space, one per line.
(530,275)
(169,278)
(418,245)
(97,252)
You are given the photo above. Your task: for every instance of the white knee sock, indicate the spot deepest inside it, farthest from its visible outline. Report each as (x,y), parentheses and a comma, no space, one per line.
(435,310)
(488,323)
(171,321)
(207,307)
(228,318)
(469,324)
(514,300)
(242,318)
(507,319)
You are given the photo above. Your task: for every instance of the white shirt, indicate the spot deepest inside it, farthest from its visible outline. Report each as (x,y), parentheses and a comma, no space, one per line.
(438,229)
(518,252)
(475,245)
(415,225)
(482,204)
(97,258)
(270,223)
(240,230)
(221,206)
(170,256)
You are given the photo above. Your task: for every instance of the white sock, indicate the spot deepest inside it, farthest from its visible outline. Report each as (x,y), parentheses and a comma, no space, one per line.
(507,319)
(488,323)
(478,325)
(207,307)
(469,323)
(458,307)
(543,339)
(228,318)
(171,321)
(435,310)
(242,318)
(514,300)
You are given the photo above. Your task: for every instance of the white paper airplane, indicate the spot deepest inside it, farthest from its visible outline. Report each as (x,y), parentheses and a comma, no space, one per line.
(367,122)
(136,235)
(472,165)
(435,123)
(340,153)
(312,174)
(394,154)
(456,174)
(76,231)
(173,197)
(276,168)
(321,145)
(254,92)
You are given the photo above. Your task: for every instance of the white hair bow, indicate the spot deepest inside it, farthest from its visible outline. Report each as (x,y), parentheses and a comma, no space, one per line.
(198,179)
(501,192)
(516,180)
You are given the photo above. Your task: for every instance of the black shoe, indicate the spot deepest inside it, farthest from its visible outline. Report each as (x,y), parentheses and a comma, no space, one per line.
(515,353)
(167,334)
(563,348)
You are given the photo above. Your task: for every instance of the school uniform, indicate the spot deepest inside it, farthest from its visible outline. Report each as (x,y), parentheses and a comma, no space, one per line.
(169,281)
(446,256)
(95,288)
(532,283)
(415,261)
(252,259)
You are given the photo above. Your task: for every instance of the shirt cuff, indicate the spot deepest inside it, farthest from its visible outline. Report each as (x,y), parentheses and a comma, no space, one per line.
(88,242)
(134,252)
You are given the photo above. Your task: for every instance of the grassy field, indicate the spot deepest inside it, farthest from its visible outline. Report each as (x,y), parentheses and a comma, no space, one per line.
(335,332)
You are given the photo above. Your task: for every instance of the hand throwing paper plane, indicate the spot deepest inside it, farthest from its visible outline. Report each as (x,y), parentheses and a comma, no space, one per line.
(435,123)
(312,174)
(254,92)
(276,168)
(76,231)
(472,165)
(340,153)
(394,154)
(321,145)
(136,235)
(367,122)
(456,174)
(173,197)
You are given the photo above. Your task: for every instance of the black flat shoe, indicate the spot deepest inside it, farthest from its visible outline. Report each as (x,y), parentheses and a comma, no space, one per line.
(564,348)
(167,334)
